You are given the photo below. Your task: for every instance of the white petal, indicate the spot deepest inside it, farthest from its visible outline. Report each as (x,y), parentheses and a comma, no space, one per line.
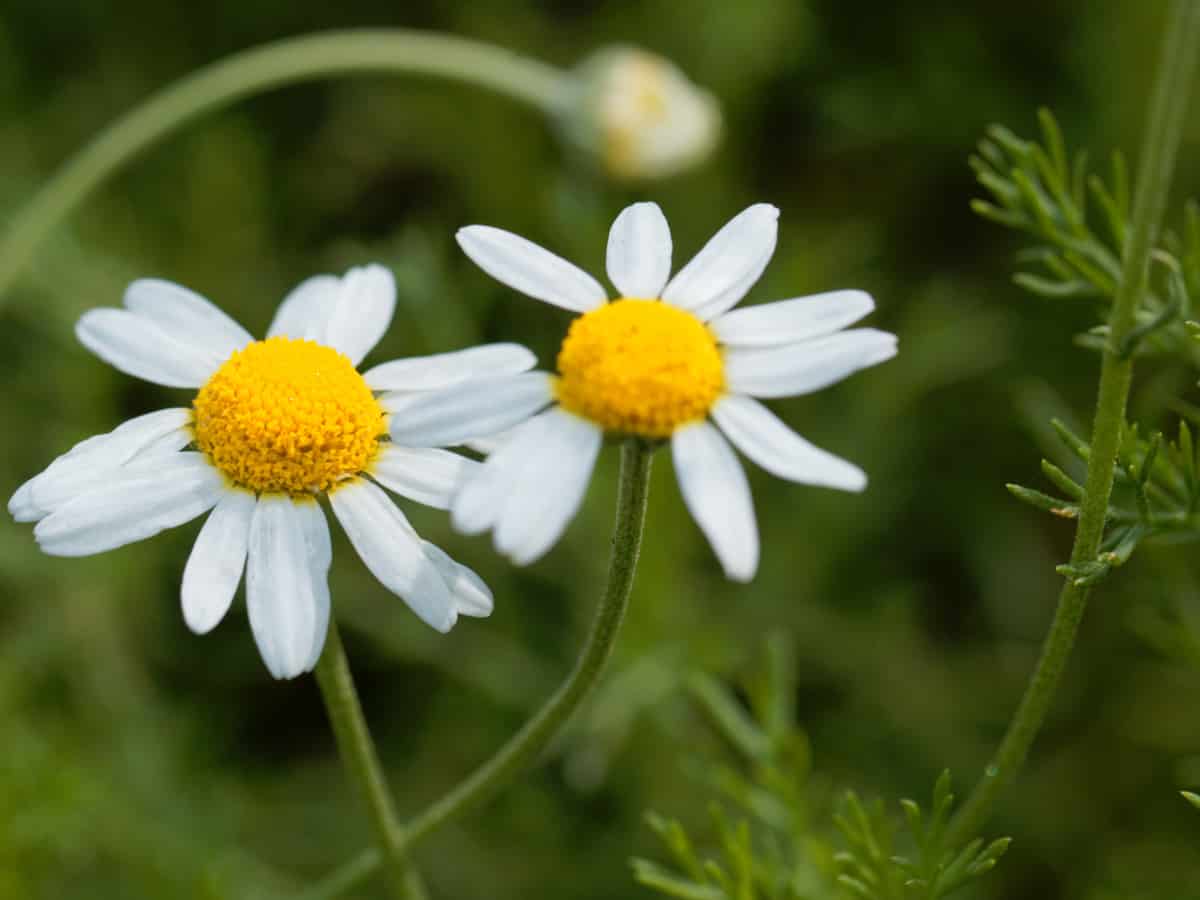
(21,506)
(361,312)
(639,251)
(442,370)
(93,462)
(473,409)
(305,310)
(728,298)
(423,474)
(320,557)
(392,551)
(490,444)
(171,442)
(214,567)
(759,433)
(806,366)
(530,269)
(551,484)
(792,320)
(186,316)
(136,346)
(139,501)
(728,265)
(283,585)
(472,596)
(715,490)
(480,500)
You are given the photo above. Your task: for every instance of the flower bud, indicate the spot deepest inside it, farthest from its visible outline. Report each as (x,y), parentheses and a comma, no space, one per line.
(640,116)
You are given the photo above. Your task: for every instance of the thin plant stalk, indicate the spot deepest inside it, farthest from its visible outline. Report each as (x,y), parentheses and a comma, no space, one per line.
(524,747)
(362,763)
(256,71)
(1172,87)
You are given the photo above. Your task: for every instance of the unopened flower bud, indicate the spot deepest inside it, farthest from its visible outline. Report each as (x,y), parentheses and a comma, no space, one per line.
(640,115)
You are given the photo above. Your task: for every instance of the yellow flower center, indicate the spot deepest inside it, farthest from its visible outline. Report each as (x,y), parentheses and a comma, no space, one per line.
(639,367)
(287,415)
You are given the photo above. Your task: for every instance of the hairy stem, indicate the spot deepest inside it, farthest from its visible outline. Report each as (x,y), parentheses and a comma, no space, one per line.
(1176,69)
(362,762)
(524,747)
(256,71)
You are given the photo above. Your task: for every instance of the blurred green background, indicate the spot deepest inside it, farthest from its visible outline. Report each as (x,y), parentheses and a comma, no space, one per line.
(140,761)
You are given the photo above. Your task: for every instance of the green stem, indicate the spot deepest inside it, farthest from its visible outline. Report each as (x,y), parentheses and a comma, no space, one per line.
(524,747)
(263,69)
(1177,67)
(362,763)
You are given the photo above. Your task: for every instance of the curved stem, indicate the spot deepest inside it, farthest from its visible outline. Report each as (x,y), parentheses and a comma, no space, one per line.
(524,747)
(1172,87)
(263,69)
(362,763)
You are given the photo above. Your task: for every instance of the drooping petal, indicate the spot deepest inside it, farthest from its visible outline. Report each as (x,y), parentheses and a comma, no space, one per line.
(470,410)
(728,265)
(21,506)
(320,557)
(530,269)
(138,501)
(215,565)
(717,494)
(186,316)
(477,505)
(392,551)
(305,310)
(443,370)
(137,346)
(472,596)
(283,586)
(547,492)
(93,462)
(759,433)
(639,251)
(807,366)
(789,321)
(361,311)
(424,474)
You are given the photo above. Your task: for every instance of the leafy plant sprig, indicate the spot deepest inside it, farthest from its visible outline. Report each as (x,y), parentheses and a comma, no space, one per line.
(765,847)
(1156,492)
(1044,191)
(872,870)
(766,844)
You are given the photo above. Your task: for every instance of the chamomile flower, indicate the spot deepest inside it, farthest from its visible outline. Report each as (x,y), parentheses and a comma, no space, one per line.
(666,361)
(275,425)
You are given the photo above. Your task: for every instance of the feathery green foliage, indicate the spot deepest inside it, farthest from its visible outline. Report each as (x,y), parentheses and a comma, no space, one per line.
(872,869)
(768,843)
(1079,222)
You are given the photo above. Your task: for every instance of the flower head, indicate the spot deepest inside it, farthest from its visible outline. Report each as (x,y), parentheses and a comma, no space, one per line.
(667,360)
(275,425)
(641,115)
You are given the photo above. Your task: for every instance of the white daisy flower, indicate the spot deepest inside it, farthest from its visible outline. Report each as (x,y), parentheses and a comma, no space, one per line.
(667,360)
(274,425)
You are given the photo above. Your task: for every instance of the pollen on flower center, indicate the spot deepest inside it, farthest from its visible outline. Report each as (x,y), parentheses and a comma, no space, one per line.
(287,415)
(639,367)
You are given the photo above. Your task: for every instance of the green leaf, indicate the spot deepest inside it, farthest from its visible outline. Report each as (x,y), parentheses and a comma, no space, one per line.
(729,717)
(1062,480)
(1064,509)
(655,876)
